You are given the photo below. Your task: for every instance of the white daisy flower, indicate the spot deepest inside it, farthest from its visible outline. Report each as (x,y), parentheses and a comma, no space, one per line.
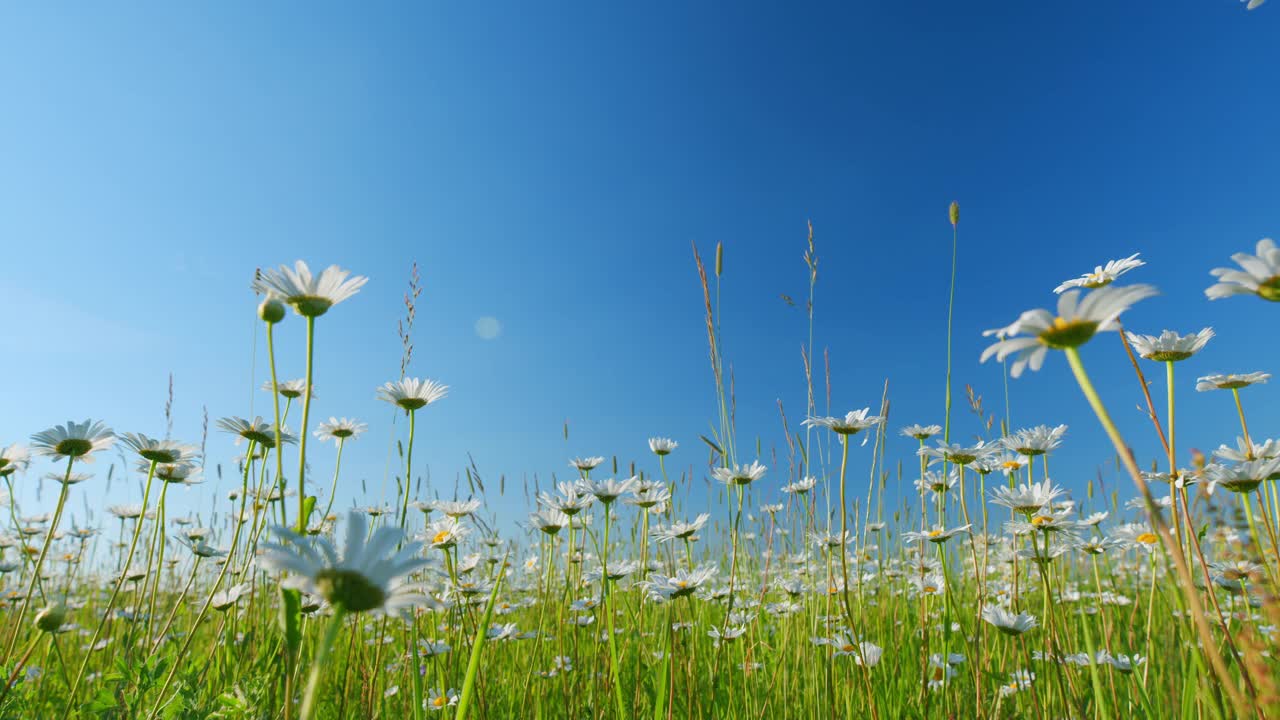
(457,508)
(1102,275)
(680,530)
(1248,451)
(1259,274)
(683,584)
(73,440)
(801,486)
(1231,381)
(937,535)
(444,533)
(291,389)
(1078,319)
(921,432)
(853,422)
(310,296)
(585,464)
(1169,346)
(412,393)
(739,474)
(1007,622)
(14,458)
(256,431)
(1241,477)
(606,491)
(337,429)
(662,446)
(368,575)
(1026,499)
(439,700)
(1039,440)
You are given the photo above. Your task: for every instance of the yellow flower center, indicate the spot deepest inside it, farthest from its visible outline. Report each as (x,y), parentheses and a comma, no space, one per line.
(439,701)
(930,588)
(1040,520)
(1147,538)
(440,537)
(846,648)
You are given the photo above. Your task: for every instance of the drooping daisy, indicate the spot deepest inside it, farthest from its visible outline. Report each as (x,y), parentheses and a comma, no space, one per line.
(854,422)
(412,393)
(337,429)
(1078,319)
(311,296)
(1231,381)
(368,575)
(73,440)
(1169,346)
(739,474)
(1007,622)
(662,446)
(1102,275)
(1259,274)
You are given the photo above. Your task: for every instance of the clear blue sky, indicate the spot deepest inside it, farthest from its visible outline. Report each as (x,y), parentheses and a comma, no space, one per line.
(548,165)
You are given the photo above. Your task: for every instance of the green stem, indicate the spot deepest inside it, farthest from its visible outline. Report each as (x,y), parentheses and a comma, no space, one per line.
(44,550)
(317,664)
(302,434)
(408,470)
(124,570)
(1186,584)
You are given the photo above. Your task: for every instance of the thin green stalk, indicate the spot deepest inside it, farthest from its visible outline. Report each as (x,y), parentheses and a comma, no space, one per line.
(1238,702)
(318,662)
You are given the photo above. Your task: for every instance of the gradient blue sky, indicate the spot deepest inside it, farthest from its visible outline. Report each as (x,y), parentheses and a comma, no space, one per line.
(549,164)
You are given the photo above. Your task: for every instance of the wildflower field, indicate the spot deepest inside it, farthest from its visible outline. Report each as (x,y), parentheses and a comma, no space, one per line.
(828,579)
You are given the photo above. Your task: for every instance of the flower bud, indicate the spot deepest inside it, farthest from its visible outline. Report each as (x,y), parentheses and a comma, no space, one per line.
(51,618)
(955,213)
(271,310)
